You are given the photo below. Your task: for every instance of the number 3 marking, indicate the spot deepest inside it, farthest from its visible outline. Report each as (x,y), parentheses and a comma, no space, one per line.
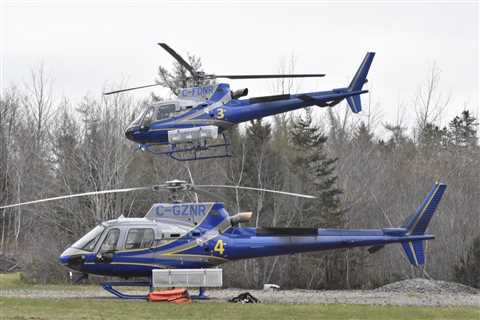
(219,247)
(220,113)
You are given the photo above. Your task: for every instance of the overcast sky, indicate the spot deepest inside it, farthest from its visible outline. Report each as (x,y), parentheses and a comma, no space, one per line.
(89,44)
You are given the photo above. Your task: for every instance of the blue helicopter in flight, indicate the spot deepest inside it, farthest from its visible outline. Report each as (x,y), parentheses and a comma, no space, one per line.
(203,114)
(195,235)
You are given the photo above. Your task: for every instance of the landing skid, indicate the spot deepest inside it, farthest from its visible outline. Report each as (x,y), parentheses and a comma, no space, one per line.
(193,150)
(201,295)
(109,286)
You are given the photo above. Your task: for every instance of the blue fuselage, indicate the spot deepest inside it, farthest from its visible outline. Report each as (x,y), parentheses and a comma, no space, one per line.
(222,110)
(235,244)
(224,116)
(203,235)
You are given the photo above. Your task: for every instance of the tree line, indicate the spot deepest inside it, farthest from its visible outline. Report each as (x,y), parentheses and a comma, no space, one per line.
(50,147)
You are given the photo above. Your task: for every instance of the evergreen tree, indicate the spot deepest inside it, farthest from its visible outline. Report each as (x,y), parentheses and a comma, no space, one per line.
(362,135)
(463,130)
(316,170)
(258,156)
(259,132)
(432,135)
(468,270)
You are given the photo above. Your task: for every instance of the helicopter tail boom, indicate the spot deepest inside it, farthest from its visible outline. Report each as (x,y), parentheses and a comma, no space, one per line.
(411,236)
(322,98)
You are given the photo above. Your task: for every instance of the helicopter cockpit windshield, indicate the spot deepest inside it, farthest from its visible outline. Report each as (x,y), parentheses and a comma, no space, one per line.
(88,241)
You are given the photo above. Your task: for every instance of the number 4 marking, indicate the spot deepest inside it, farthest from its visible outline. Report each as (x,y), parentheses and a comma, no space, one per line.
(219,247)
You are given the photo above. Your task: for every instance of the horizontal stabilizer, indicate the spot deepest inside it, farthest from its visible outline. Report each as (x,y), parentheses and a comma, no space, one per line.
(332,98)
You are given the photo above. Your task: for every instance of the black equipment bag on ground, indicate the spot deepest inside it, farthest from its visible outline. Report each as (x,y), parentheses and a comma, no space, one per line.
(245,297)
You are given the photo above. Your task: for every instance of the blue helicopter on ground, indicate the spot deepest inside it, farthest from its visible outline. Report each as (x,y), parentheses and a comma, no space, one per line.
(203,114)
(203,235)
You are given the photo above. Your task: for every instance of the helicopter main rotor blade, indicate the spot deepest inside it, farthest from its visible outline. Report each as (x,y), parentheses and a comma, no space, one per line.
(255,189)
(75,196)
(265,76)
(171,186)
(233,77)
(128,89)
(179,58)
(213,195)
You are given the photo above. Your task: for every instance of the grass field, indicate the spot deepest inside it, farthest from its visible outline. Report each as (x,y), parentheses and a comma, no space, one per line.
(109,308)
(17,309)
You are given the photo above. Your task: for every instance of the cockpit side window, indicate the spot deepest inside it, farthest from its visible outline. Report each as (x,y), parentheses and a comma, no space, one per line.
(139,238)
(111,240)
(165,111)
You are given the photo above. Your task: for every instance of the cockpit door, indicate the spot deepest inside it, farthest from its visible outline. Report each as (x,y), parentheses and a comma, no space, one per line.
(109,246)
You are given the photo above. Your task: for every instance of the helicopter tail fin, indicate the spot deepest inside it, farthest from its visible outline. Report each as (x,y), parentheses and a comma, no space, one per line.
(358,81)
(417,224)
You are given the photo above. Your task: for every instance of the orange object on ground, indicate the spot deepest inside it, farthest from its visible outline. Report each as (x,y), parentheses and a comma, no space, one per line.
(179,296)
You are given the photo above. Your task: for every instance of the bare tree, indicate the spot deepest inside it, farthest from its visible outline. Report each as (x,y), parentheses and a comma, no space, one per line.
(430,101)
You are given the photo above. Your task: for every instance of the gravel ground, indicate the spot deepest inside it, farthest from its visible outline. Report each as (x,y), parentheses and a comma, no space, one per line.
(428,286)
(416,292)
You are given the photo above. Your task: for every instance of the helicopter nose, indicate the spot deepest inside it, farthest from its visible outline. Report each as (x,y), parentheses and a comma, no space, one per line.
(72,258)
(65,256)
(129,133)
(63,259)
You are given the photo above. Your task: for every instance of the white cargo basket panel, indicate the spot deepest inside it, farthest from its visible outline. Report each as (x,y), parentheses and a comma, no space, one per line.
(192,134)
(186,278)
